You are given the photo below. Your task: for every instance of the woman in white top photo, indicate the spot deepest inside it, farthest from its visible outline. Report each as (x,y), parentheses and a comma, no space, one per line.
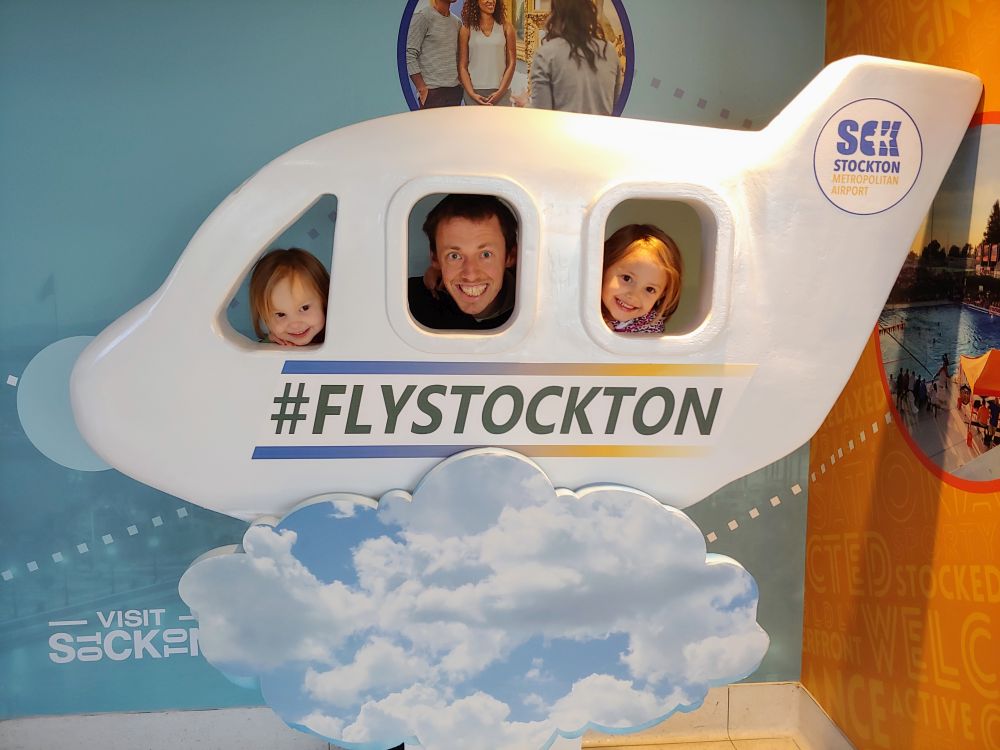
(486,57)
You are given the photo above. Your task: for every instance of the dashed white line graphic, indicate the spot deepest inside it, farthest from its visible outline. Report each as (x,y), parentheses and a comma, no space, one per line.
(796,489)
(83,548)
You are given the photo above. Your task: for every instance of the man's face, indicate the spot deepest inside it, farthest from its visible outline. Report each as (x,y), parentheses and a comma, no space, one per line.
(472,258)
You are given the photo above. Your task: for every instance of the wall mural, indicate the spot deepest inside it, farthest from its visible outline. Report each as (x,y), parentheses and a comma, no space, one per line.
(542,538)
(90,559)
(97,202)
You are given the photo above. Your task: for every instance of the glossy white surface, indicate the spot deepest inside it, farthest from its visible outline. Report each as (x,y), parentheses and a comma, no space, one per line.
(170,395)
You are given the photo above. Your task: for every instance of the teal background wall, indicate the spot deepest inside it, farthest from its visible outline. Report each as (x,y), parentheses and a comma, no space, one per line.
(122,125)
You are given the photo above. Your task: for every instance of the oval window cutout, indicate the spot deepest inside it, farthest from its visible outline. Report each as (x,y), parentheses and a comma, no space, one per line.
(276,305)
(653,277)
(462,262)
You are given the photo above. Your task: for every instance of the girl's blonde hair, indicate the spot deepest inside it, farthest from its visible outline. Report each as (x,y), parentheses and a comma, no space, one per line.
(281,264)
(633,237)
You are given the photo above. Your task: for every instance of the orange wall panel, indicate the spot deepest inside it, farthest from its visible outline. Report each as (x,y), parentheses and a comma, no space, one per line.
(901,641)
(962,34)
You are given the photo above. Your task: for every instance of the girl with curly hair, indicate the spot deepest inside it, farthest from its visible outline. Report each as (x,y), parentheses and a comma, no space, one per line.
(486,57)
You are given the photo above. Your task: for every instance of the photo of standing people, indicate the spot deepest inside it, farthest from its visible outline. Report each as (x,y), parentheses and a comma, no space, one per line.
(565,55)
(432,54)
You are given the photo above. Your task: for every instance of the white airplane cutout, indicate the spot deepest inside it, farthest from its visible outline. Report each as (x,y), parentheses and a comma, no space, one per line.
(803,225)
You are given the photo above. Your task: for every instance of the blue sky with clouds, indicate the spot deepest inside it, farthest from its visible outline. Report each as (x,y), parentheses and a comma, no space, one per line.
(489,605)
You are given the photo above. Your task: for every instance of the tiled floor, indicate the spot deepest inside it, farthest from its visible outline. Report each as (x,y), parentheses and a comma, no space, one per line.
(748,716)
(775,743)
(763,743)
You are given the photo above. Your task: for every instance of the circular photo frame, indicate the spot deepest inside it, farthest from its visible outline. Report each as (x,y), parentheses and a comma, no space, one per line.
(939,332)
(527,19)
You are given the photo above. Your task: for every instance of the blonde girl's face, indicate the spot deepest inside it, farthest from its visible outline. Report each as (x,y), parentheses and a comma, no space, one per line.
(633,285)
(297,315)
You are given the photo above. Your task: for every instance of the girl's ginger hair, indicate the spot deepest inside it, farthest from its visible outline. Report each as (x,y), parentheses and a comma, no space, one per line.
(275,266)
(633,237)
(471,15)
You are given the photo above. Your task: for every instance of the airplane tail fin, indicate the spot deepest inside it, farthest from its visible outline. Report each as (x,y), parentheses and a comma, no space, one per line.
(875,133)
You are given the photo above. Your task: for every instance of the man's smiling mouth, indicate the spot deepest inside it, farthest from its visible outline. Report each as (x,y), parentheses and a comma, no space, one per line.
(472,290)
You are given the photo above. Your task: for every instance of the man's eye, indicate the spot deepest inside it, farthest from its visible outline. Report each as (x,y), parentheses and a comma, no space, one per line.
(454,256)
(487,253)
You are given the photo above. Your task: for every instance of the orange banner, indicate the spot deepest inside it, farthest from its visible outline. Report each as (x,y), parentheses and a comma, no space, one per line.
(901,641)
(961,34)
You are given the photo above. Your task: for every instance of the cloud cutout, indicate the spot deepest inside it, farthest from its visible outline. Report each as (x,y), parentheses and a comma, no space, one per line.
(491,609)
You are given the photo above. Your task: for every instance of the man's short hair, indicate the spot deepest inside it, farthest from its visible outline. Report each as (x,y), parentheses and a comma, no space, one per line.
(474,208)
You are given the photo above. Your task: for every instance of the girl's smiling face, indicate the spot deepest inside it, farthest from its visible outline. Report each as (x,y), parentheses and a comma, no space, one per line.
(296,316)
(633,285)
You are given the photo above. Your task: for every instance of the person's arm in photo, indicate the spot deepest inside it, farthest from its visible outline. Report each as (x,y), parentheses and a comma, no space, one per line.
(619,78)
(540,84)
(414,44)
(463,65)
(511,58)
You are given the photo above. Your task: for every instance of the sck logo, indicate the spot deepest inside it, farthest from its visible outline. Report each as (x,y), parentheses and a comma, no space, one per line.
(868,156)
(887,132)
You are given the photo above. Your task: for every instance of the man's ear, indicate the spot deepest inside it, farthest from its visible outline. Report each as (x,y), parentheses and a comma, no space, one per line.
(432,280)
(511,258)
(432,277)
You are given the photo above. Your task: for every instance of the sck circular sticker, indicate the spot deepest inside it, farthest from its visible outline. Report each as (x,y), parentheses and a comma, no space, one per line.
(868,156)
